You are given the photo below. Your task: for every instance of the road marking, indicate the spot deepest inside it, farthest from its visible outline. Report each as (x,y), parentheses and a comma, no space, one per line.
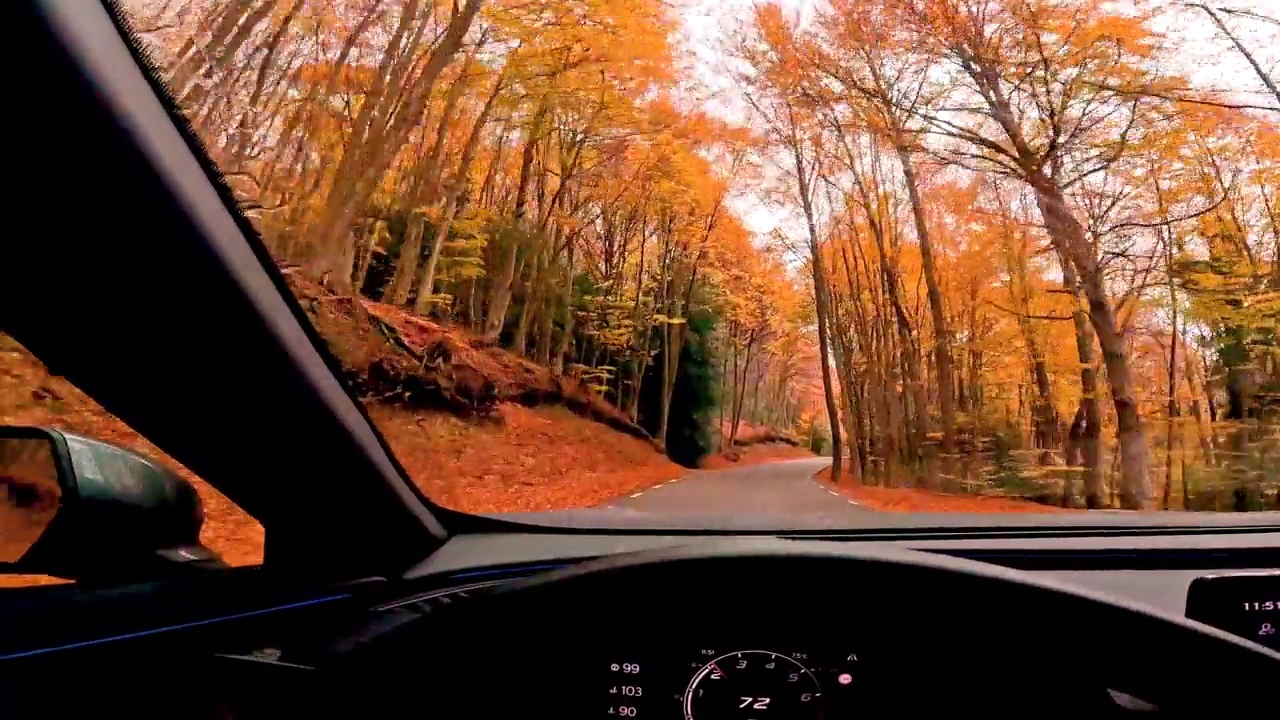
(636,495)
(840,495)
(672,482)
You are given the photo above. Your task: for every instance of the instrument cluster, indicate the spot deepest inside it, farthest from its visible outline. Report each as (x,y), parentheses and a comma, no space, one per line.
(729,683)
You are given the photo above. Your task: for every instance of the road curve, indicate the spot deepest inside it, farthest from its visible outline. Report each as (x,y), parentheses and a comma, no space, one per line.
(781,488)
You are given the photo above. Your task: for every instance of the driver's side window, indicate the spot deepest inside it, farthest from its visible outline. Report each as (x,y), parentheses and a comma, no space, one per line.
(82,495)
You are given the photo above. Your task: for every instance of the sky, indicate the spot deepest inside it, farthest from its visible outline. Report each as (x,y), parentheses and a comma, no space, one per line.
(708,27)
(1207,58)
(1211,60)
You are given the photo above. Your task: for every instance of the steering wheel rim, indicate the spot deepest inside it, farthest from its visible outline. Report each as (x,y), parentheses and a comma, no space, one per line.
(1180,665)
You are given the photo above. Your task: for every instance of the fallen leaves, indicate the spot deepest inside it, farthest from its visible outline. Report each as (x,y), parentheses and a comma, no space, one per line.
(522,460)
(925,501)
(753,455)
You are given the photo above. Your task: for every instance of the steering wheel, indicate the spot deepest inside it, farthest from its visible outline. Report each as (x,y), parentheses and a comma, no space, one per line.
(935,634)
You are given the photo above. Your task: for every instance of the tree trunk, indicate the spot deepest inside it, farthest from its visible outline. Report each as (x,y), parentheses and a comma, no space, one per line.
(913,381)
(372,148)
(724,389)
(368,243)
(519,340)
(428,173)
(330,260)
(500,285)
(426,284)
(1068,235)
(1173,410)
(823,310)
(566,335)
(242,133)
(941,329)
(407,264)
(306,109)
(1069,238)
(674,337)
(1090,438)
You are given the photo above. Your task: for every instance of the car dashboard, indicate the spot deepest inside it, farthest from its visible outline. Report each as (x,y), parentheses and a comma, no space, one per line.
(815,656)
(758,649)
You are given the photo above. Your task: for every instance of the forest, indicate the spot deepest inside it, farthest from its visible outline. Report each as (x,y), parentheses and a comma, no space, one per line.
(966,245)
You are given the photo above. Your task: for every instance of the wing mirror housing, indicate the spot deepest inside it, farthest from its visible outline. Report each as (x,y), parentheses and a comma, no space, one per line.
(88,511)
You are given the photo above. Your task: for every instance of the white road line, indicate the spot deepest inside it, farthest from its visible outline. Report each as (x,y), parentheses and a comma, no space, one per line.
(839,495)
(636,495)
(673,482)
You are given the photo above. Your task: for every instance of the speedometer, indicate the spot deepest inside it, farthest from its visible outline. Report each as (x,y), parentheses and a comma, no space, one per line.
(753,685)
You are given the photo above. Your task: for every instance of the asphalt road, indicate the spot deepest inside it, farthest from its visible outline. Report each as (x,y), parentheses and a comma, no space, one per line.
(781,488)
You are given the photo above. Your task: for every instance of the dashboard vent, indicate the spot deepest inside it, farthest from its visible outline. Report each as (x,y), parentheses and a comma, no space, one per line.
(466,584)
(435,599)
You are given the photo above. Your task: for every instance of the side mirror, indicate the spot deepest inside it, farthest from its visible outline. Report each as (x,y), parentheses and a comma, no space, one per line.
(88,511)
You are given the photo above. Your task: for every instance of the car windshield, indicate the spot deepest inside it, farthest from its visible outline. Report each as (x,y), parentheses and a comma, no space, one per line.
(801,261)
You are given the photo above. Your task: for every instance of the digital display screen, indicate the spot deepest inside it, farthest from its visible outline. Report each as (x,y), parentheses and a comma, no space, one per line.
(1245,604)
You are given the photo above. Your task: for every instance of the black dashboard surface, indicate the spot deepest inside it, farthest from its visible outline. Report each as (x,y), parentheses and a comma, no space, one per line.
(1153,570)
(283,644)
(667,631)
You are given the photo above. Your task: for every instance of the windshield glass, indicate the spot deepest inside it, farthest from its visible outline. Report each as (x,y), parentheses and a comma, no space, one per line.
(803,261)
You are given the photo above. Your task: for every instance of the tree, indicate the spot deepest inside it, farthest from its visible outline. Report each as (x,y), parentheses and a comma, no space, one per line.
(1048,88)
(770,86)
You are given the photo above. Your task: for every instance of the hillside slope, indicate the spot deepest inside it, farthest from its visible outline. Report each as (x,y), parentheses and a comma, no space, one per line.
(478,428)
(392,357)
(520,458)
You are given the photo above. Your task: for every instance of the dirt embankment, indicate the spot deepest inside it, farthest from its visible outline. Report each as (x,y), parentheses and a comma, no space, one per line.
(393,357)
(918,500)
